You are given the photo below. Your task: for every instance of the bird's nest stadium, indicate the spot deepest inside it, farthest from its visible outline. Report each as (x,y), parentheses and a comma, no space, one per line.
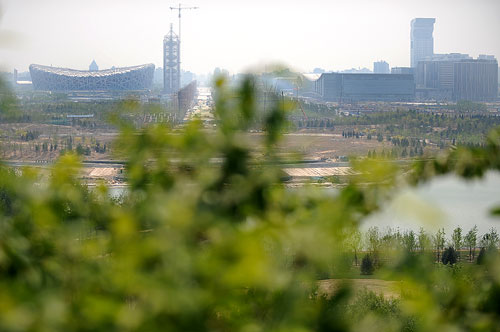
(135,78)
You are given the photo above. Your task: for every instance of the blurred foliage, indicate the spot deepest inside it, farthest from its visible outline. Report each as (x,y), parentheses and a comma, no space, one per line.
(207,238)
(466,162)
(8,101)
(370,309)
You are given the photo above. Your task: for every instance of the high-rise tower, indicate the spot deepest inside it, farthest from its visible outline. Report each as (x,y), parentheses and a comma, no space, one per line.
(171,63)
(422,41)
(381,67)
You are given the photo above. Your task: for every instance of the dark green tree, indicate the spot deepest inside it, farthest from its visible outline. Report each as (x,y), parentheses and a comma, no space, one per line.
(367,265)
(449,256)
(482,256)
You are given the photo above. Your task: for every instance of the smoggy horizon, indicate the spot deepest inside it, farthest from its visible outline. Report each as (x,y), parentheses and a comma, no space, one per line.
(238,36)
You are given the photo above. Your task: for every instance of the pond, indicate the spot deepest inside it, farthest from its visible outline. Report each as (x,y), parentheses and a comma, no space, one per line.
(445,202)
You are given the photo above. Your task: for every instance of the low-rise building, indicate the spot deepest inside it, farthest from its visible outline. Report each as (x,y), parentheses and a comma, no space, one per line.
(457,77)
(341,87)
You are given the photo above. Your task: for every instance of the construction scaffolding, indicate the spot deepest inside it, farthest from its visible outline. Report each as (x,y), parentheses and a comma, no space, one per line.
(171,63)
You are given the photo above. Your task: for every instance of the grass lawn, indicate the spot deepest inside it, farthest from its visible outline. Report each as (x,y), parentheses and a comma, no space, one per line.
(389,289)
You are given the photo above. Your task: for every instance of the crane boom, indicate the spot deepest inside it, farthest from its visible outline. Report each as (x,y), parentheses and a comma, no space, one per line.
(180,9)
(302,109)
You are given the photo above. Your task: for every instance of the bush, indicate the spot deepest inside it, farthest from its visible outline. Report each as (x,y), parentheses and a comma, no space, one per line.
(481,256)
(449,256)
(368,301)
(486,254)
(367,266)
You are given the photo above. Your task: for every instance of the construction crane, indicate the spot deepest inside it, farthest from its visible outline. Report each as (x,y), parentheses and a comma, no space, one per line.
(274,90)
(299,103)
(302,109)
(180,9)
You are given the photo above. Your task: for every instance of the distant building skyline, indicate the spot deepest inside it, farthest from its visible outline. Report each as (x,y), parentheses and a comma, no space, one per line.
(239,36)
(381,67)
(403,70)
(454,77)
(476,79)
(436,74)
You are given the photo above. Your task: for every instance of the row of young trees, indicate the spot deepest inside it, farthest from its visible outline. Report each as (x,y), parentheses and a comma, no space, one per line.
(466,128)
(380,137)
(410,147)
(84,149)
(323,123)
(381,244)
(396,153)
(29,135)
(407,142)
(54,110)
(53,147)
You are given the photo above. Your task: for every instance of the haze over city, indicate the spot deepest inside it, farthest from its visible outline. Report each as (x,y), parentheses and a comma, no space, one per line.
(270,166)
(333,35)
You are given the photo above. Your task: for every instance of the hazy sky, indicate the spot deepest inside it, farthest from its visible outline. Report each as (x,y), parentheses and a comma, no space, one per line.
(232,34)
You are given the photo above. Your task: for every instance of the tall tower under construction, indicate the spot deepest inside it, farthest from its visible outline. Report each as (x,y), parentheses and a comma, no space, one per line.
(171,63)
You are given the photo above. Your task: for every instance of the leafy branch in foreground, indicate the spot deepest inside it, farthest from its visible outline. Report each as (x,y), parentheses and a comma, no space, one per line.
(207,238)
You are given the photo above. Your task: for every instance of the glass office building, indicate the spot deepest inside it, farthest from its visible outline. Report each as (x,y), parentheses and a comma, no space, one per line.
(340,87)
(476,80)
(456,77)
(422,41)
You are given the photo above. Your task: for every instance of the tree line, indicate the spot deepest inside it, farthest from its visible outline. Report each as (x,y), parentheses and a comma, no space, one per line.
(381,243)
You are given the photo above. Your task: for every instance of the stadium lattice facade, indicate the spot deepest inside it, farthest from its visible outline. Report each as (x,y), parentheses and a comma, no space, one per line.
(135,78)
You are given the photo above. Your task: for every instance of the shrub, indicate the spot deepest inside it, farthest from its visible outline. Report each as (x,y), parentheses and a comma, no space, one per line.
(368,301)
(367,267)
(481,256)
(449,256)
(487,254)
(372,307)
